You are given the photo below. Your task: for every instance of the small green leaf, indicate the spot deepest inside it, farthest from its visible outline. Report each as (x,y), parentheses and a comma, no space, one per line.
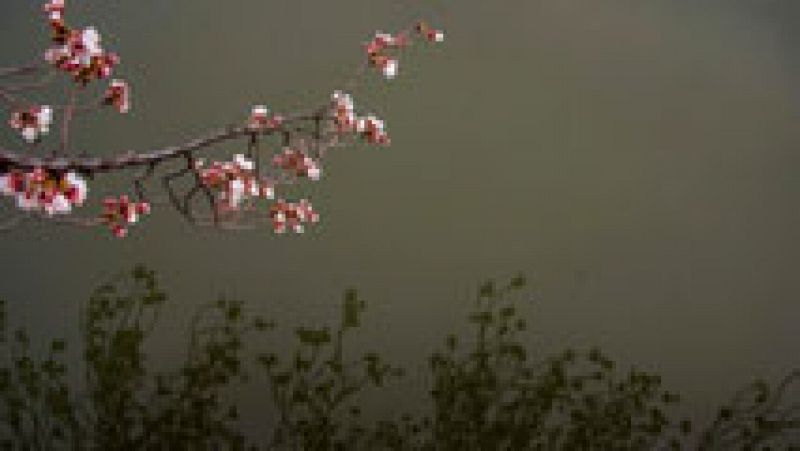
(518,281)
(481,318)
(260,324)
(58,345)
(487,289)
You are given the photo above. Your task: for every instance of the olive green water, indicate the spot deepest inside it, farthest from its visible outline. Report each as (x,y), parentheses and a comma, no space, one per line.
(638,160)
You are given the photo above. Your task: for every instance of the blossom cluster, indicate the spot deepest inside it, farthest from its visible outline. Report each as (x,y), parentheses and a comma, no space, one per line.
(379,49)
(78,52)
(294,215)
(346,121)
(343,111)
(118,94)
(377,52)
(298,162)
(373,130)
(119,212)
(33,122)
(38,190)
(260,118)
(428,32)
(234,180)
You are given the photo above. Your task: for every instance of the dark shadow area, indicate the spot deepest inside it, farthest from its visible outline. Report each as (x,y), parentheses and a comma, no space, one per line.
(486,393)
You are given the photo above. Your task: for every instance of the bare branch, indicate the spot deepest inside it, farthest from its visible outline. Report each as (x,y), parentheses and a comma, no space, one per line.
(95,165)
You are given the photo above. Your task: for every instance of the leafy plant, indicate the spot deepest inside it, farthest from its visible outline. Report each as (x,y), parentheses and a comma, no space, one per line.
(315,388)
(489,393)
(488,390)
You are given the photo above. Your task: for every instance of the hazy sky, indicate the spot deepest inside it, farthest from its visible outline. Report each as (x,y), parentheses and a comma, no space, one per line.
(638,160)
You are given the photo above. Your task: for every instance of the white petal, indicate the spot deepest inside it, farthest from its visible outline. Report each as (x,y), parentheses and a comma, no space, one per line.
(46,114)
(60,204)
(29,134)
(5,185)
(390,70)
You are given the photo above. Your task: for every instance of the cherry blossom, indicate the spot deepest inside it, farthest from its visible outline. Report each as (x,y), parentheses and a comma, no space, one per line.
(431,34)
(39,191)
(33,122)
(82,56)
(346,121)
(260,119)
(287,214)
(377,52)
(373,130)
(54,10)
(77,52)
(235,181)
(298,162)
(118,94)
(343,111)
(267,190)
(119,212)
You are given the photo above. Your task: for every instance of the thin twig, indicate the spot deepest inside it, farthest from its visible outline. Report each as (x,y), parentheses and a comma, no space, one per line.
(67,118)
(19,70)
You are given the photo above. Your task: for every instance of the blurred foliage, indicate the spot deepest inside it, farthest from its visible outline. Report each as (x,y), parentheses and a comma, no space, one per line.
(487,391)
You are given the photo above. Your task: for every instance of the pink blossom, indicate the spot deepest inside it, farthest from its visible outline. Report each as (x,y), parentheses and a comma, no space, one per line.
(54,10)
(298,162)
(293,215)
(33,122)
(119,212)
(389,68)
(372,129)
(343,111)
(267,190)
(39,190)
(235,181)
(258,117)
(77,52)
(118,94)
(379,49)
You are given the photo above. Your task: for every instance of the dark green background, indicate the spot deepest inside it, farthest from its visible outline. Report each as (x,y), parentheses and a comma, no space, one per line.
(638,160)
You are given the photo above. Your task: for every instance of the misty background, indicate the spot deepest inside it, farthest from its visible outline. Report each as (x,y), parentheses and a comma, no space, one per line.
(636,160)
